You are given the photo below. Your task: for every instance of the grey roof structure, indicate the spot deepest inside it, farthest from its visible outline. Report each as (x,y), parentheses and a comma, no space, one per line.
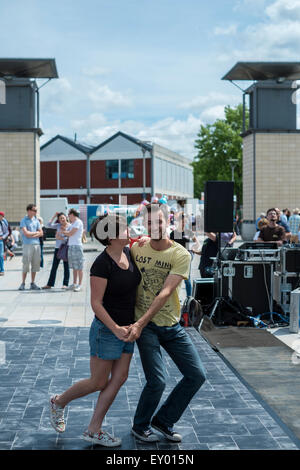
(264,71)
(145,145)
(28,68)
(81,147)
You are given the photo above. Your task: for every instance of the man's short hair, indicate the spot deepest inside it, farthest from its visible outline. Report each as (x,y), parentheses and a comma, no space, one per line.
(156,207)
(74,212)
(30,206)
(296,211)
(107,227)
(270,210)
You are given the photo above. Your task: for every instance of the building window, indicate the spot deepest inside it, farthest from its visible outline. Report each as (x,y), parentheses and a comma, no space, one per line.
(112,169)
(127,169)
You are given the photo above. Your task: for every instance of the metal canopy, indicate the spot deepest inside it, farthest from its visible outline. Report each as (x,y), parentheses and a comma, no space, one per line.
(264,71)
(28,68)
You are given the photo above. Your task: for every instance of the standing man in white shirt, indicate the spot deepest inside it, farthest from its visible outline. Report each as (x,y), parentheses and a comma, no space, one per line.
(75,250)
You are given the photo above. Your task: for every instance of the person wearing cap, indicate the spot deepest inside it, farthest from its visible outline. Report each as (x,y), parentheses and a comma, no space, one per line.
(31,232)
(4,232)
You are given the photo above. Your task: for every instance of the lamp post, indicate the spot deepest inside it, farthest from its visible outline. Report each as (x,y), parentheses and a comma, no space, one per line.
(232,162)
(143,143)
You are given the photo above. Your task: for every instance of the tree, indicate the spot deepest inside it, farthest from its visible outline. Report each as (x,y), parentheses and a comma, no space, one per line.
(218,143)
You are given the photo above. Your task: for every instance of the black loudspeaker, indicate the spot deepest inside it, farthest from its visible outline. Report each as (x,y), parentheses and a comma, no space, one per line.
(218,206)
(249,283)
(204,290)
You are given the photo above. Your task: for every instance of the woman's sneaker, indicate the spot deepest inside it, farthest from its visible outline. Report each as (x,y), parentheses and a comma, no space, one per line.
(101,438)
(57,415)
(146,436)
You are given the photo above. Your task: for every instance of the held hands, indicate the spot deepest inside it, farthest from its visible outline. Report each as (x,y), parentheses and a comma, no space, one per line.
(134,333)
(128,333)
(122,332)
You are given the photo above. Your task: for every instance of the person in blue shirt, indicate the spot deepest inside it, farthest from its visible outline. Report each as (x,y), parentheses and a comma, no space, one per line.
(4,232)
(31,231)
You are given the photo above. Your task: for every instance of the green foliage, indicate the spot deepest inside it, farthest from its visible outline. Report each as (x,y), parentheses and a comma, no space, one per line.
(216,144)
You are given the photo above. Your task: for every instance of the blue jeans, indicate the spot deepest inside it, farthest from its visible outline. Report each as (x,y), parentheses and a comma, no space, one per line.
(188,286)
(182,351)
(1,256)
(55,264)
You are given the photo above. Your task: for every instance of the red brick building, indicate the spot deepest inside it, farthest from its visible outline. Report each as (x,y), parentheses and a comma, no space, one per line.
(120,167)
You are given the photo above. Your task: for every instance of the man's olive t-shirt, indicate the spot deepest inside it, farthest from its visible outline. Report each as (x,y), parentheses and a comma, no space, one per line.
(155,266)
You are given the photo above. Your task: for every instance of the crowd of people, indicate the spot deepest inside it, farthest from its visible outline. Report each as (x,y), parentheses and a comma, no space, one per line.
(31,235)
(278,226)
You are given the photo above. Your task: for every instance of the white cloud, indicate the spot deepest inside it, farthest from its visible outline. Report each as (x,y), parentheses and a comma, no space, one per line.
(275,37)
(56,95)
(95,71)
(103,97)
(213,113)
(225,31)
(283,10)
(198,102)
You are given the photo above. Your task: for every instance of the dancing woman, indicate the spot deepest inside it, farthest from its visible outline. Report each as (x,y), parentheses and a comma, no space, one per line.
(114,280)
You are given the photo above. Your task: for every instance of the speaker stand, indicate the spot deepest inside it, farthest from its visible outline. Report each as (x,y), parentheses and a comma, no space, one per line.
(218,298)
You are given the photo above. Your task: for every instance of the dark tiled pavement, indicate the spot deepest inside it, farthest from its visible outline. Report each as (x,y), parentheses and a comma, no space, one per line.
(224,414)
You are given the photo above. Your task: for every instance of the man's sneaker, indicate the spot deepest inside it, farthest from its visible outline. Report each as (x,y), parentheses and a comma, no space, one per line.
(22,286)
(167,431)
(33,286)
(77,288)
(56,415)
(47,287)
(2,273)
(101,438)
(64,287)
(147,435)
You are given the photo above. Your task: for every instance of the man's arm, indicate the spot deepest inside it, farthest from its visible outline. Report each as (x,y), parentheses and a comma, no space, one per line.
(172,281)
(70,233)
(29,234)
(211,235)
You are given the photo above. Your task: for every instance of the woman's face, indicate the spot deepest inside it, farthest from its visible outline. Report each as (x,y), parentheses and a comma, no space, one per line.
(62,219)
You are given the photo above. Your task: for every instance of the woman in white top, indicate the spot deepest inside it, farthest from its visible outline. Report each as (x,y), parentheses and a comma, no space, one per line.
(75,250)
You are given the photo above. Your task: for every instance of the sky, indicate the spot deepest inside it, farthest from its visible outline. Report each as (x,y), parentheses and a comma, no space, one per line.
(150,68)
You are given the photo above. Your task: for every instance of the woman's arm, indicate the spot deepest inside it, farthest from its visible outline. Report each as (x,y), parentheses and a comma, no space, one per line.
(98,287)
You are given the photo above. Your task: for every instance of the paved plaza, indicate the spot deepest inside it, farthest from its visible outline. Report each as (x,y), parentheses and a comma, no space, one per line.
(45,338)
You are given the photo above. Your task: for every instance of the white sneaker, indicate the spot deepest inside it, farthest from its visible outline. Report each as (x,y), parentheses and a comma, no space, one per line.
(57,415)
(71,287)
(101,438)
(77,288)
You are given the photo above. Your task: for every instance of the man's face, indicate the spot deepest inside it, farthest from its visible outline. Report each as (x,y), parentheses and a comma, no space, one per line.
(157,225)
(272,216)
(32,212)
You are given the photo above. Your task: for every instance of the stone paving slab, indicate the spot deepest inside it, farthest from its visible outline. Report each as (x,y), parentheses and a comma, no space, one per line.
(224,414)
